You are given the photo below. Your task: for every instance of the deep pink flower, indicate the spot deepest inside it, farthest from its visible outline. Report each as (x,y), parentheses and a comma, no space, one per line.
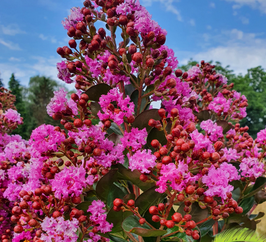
(220,104)
(219,187)
(13,116)
(135,139)
(212,129)
(98,216)
(126,108)
(64,73)
(175,176)
(74,17)
(201,141)
(231,154)
(45,138)
(141,161)
(59,230)
(71,180)
(261,137)
(251,167)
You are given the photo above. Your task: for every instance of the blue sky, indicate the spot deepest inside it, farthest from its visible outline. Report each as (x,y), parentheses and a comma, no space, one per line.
(230,31)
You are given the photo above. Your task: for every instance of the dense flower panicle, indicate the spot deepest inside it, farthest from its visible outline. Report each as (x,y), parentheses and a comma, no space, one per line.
(24,236)
(231,154)
(171,60)
(14,150)
(142,161)
(59,230)
(193,71)
(71,180)
(220,104)
(125,107)
(212,129)
(143,22)
(135,139)
(45,138)
(201,141)
(13,116)
(112,79)
(176,176)
(98,216)
(74,17)
(64,73)
(251,167)
(219,187)
(60,103)
(5,139)
(221,78)
(261,137)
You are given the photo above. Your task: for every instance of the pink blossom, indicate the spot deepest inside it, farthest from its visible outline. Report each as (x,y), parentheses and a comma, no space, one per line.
(13,116)
(219,187)
(45,138)
(220,104)
(194,71)
(14,150)
(221,78)
(70,180)
(142,161)
(171,60)
(135,139)
(251,167)
(173,175)
(212,129)
(231,154)
(201,141)
(59,230)
(60,103)
(74,17)
(111,79)
(64,73)
(261,137)
(98,216)
(24,236)
(126,108)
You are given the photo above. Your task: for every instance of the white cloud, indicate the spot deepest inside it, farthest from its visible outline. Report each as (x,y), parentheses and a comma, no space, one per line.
(51,39)
(192,22)
(41,66)
(235,48)
(212,4)
(14,59)
(244,20)
(258,4)
(168,4)
(10,45)
(11,29)
(209,27)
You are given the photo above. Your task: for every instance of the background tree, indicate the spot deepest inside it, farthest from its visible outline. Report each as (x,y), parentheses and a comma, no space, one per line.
(40,91)
(21,105)
(1,81)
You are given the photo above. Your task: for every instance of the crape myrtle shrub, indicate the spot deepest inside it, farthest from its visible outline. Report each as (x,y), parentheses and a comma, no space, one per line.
(122,170)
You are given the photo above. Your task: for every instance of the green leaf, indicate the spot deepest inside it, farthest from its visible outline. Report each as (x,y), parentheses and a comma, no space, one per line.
(236,193)
(114,129)
(156,134)
(206,227)
(129,89)
(95,92)
(116,239)
(203,115)
(95,108)
(143,118)
(148,198)
(133,176)
(259,185)
(114,192)
(131,224)
(134,97)
(105,184)
(247,204)
(238,234)
(84,206)
(225,125)
(116,218)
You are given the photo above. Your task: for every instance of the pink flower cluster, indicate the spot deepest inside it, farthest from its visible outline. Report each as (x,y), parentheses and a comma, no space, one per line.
(125,108)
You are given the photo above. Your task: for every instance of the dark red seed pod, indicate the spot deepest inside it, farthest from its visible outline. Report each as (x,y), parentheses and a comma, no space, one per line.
(177,217)
(153,210)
